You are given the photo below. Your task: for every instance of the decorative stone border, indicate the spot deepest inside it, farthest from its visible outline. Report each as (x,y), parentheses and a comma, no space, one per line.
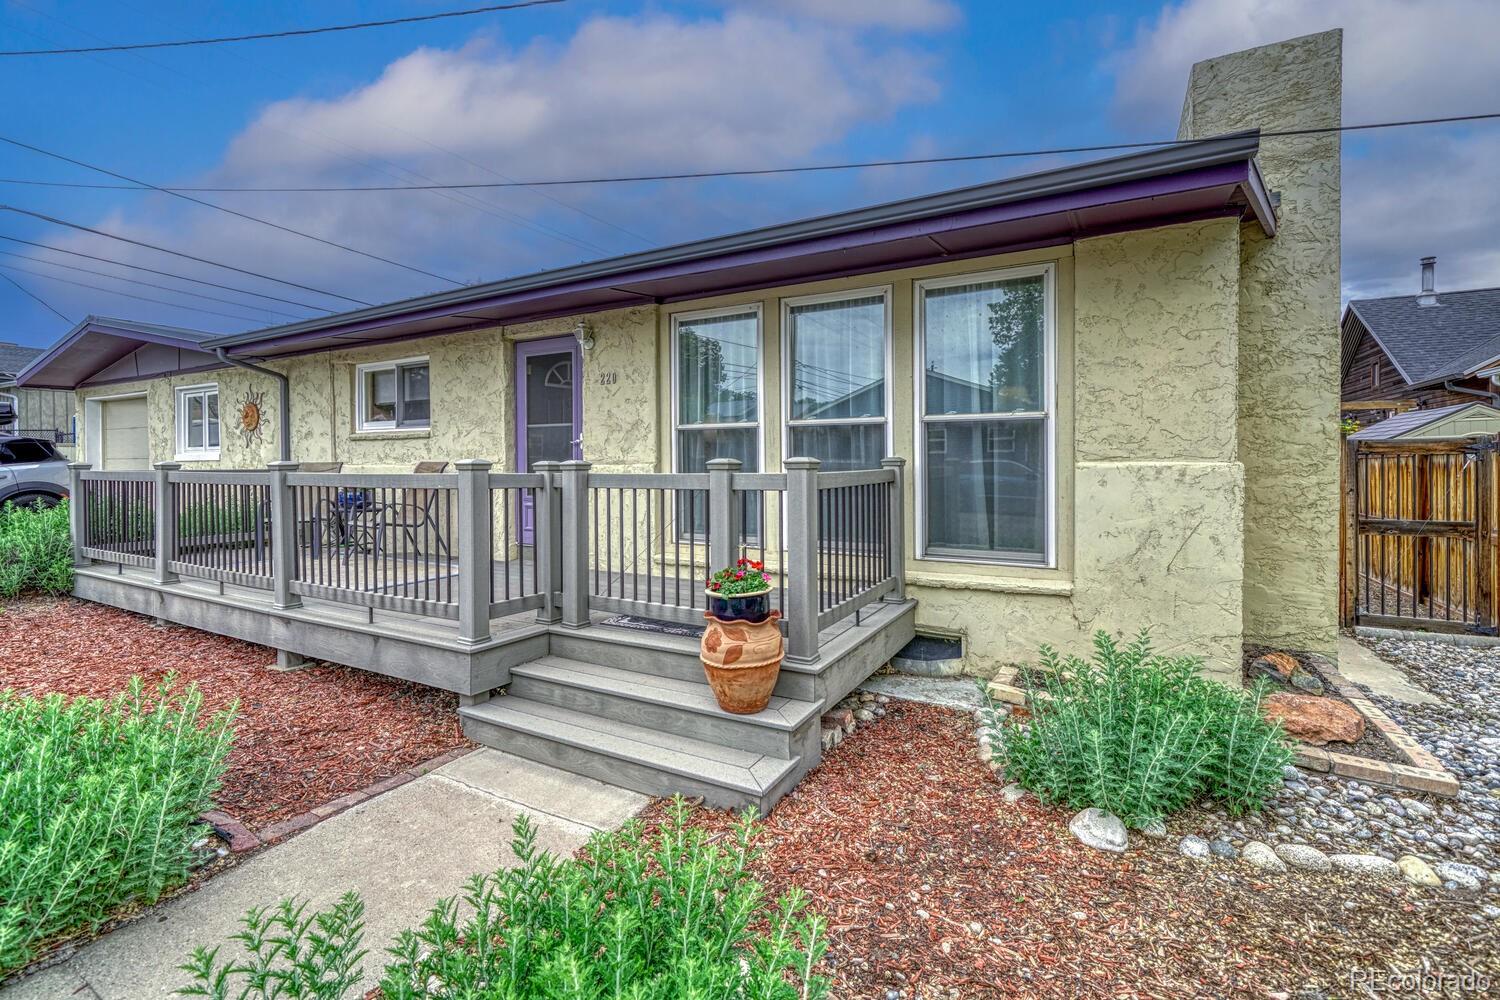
(241,839)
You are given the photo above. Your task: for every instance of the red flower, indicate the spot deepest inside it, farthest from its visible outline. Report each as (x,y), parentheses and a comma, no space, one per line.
(756,565)
(740,575)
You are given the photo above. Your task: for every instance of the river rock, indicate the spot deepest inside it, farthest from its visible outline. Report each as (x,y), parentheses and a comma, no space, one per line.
(1302,856)
(1365,864)
(1259,855)
(1100,830)
(1418,872)
(1194,847)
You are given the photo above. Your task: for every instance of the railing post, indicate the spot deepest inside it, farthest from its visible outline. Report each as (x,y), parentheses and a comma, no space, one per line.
(574,477)
(803,586)
(283,537)
(896,542)
(476,547)
(546,536)
(723,513)
(166,521)
(77,514)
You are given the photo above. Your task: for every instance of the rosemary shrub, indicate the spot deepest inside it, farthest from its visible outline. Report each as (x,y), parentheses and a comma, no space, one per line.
(632,918)
(36,550)
(99,805)
(1140,735)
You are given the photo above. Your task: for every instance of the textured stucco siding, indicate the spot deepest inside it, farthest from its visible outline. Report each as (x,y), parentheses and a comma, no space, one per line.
(1289,336)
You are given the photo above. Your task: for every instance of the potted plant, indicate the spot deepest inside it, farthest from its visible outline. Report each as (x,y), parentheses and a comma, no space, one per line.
(741,648)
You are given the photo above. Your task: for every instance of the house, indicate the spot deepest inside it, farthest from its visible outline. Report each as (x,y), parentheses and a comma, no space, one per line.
(1100,396)
(1419,351)
(42,413)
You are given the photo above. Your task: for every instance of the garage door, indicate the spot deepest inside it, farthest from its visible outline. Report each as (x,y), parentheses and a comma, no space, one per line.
(123,426)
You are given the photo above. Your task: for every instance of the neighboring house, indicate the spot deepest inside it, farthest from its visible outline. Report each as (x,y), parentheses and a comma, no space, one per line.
(1419,351)
(1112,384)
(42,413)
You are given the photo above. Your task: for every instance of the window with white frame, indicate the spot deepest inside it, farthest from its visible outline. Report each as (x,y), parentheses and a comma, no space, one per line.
(834,381)
(716,385)
(986,404)
(198,422)
(393,395)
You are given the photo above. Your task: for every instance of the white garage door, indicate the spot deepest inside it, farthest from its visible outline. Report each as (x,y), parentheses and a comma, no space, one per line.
(123,434)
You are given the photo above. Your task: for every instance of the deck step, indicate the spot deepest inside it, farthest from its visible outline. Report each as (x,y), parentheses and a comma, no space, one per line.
(620,753)
(686,707)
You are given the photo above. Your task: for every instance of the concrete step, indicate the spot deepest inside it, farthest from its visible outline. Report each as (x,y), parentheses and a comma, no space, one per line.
(671,656)
(668,704)
(631,756)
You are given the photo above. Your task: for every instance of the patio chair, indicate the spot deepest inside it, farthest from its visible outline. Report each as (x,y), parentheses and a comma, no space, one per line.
(417,518)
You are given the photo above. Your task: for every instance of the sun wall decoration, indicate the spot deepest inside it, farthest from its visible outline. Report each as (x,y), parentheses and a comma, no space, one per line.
(252,415)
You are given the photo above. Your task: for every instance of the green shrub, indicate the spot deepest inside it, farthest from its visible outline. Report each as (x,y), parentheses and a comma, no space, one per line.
(1140,735)
(289,954)
(36,550)
(99,802)
(634,918)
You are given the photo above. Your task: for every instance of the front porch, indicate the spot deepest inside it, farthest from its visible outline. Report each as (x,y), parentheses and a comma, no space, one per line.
(518,591)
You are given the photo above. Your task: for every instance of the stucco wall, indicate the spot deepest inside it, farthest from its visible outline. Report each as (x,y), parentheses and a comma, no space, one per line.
(1289,339)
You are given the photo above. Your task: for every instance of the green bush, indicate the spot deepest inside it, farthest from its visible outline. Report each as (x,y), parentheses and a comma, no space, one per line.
(36,550)
(634,918)
(1140,735)
(99,802)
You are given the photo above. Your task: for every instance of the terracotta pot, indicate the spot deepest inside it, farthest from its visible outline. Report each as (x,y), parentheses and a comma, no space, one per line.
(742,661)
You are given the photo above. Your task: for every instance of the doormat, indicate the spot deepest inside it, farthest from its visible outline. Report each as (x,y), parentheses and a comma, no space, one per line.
(655,625)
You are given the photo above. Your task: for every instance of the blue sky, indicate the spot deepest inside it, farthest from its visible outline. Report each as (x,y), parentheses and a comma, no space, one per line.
(589,88)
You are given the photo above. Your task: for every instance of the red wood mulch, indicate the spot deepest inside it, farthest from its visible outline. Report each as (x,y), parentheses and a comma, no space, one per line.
(301,739)
(935,887)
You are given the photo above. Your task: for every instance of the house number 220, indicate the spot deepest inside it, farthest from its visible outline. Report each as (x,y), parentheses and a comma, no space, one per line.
(608,378)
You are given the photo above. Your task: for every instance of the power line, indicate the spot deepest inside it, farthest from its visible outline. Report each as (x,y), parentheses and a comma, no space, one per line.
(166,274)
(149,284)
(32,295)
(228,211)
(766,171)
(291,33)
(128,295)
(177,253)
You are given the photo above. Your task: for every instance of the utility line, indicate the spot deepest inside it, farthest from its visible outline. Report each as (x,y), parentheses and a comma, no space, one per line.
(150,284)
(167,274)
(290,33)
(177,253)
(765,171)
(32,295)
(128,295)
(228,211)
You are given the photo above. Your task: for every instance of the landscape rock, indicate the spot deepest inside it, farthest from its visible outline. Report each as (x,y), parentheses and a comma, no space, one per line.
(1013,793)
(1314,720)
(1100,830)
(1194,847)
(1365,864)
(1463,876)
(1259,855)
(1276,666)
(1418,872)
(1223,849)
(1156,830)
(1303,856)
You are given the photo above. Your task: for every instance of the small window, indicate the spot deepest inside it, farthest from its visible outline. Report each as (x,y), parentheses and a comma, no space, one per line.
(835,380)
(198,422)
(393,395)
(1375,375)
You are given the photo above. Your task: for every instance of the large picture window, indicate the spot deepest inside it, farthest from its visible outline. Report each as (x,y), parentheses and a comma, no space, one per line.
(834,380)
(393,395)
(198,422)
(986,405)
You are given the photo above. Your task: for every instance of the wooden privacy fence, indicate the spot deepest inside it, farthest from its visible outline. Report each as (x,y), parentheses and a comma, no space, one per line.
(1417,540)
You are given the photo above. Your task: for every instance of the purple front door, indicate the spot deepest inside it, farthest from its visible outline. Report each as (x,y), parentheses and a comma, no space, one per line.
(549,409)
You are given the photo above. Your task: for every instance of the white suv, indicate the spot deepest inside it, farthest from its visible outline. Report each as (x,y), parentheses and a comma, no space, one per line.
(32,473)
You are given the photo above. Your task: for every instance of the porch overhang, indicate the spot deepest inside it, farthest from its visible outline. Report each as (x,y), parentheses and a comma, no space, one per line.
(1213,178)
(97,343)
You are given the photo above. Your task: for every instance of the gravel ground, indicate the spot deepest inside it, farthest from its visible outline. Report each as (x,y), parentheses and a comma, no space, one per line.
(302,738)
(936,886)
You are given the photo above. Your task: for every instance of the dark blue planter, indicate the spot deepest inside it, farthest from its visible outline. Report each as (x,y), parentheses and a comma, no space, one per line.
(751,608)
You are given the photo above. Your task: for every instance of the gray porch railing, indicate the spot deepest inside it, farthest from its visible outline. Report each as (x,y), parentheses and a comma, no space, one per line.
(473,546)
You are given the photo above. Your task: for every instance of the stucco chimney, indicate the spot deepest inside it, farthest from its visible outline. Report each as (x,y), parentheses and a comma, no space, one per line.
(1429,282)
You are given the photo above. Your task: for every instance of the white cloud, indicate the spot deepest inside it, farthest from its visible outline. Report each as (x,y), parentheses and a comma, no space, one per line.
(1406,193)
(910,15)
(620,96)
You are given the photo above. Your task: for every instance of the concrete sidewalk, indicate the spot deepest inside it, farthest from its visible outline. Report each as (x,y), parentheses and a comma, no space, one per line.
(1362,666)
(401,851)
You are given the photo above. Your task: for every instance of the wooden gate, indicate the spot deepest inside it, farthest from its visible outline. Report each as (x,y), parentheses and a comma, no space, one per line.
(1418,542)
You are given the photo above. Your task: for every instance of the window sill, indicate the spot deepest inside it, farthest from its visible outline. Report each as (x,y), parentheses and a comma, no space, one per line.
(196,456)
(393,434)
(992,584)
